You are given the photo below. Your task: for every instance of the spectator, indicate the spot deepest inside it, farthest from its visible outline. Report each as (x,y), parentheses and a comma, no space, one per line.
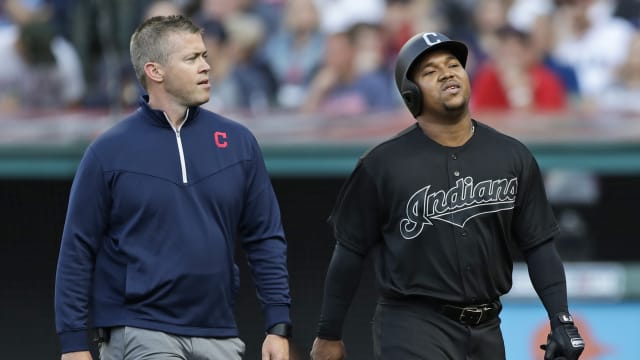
(339,15)
(295,52)
(16,12)
(371,54)
(39,68)
(624,92)
(535,17)
(370,49)
(339,89)
(514,77)
(592,41)
(397,24)
(20,11)
(218,9)
(241,79)
(629,10)
(162,8)
(403,18)
(267,11)
(224,91)
(487,17)
(100,32)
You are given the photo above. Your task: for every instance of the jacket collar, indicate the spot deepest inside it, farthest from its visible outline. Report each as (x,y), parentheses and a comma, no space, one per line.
(157,117)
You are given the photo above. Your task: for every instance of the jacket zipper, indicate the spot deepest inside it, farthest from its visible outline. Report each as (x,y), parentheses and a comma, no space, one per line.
(183,164)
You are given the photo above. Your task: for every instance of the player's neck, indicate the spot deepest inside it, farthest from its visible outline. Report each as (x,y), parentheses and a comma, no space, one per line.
(449,134)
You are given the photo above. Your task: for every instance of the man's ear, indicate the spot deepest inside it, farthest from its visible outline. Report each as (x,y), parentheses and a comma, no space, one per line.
(154,72)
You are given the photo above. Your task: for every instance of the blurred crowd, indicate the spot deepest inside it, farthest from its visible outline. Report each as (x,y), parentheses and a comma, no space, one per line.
(328,56)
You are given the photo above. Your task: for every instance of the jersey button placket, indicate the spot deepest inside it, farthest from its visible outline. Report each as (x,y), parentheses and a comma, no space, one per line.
(454,156)
(460,235)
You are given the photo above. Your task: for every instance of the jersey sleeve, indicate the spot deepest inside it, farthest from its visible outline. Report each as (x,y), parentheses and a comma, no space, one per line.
(356,216)
(534,221)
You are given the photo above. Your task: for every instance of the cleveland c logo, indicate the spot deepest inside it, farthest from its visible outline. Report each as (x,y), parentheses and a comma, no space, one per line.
(220,139)
(431,38)
(457,205)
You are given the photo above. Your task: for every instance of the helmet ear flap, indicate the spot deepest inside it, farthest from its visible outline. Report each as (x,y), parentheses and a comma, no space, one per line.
(412,97)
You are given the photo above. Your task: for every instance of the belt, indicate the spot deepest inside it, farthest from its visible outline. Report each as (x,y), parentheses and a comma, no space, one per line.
(469,315)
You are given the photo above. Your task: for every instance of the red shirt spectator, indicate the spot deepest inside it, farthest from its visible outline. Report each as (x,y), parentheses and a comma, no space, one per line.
(515,78)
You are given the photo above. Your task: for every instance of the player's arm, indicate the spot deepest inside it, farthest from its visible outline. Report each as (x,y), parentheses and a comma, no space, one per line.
(341,283)
(548,278)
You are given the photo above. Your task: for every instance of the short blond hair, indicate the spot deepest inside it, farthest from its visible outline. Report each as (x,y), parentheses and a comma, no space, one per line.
(149,41)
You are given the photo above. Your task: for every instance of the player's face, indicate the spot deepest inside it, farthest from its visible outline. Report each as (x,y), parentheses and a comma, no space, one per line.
(186,73)
(444,83)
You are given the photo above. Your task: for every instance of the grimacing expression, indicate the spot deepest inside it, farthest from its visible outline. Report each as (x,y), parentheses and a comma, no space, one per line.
(443,81)
(186,72)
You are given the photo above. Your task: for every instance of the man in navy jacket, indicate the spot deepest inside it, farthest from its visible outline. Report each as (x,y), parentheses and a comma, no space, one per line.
(155,210)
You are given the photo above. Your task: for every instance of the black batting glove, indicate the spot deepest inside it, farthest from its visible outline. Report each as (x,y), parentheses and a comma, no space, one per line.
(564,341)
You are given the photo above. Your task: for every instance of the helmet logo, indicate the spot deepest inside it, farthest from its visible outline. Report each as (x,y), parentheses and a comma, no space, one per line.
(427,37)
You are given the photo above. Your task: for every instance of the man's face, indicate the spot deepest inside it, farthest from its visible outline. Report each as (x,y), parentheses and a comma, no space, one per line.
(443,81)
(339,54)
(186,73)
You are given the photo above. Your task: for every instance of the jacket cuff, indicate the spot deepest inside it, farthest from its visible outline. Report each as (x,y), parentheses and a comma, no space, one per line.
(76,340)
(275,314)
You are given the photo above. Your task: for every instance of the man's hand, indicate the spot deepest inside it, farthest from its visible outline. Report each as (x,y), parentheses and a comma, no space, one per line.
(275,347)
(328,350)
(564,342)
(79,355)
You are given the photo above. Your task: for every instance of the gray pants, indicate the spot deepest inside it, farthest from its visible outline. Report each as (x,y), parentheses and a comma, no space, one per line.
(128,343)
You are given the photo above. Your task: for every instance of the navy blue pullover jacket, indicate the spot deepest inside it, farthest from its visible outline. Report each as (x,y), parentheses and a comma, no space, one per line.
(154,214)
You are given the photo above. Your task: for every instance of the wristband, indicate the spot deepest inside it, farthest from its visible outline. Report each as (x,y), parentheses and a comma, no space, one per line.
(281,329)
(562,318)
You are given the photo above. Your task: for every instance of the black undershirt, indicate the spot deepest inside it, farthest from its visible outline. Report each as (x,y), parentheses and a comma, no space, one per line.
(345,270)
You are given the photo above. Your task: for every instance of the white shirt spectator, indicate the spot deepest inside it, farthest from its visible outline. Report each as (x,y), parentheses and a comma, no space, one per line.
(59,85)
(338,15)
(596,52)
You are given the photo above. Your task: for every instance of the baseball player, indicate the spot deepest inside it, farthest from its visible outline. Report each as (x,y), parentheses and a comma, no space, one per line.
(443,205)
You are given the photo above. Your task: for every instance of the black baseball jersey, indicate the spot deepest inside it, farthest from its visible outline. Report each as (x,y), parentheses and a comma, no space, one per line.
(441,218)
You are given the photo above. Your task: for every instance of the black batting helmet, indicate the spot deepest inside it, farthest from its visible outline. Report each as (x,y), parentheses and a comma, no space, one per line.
(418,45)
